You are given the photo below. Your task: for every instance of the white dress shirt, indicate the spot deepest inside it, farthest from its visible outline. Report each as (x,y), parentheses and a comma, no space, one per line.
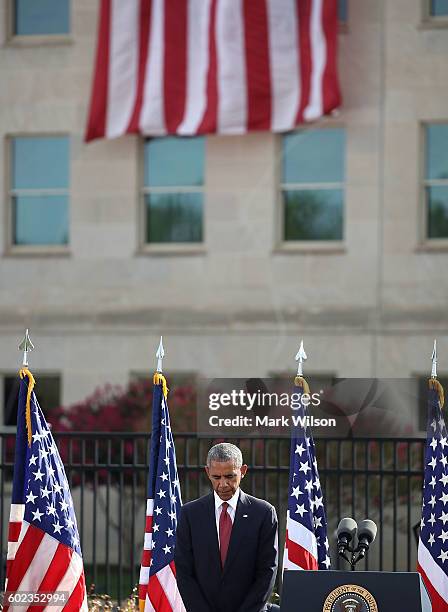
(231,509)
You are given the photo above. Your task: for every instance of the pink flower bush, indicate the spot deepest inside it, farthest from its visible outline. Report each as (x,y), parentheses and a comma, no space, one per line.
(113,408)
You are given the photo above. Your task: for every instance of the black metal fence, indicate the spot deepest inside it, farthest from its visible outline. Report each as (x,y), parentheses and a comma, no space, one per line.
(378,479)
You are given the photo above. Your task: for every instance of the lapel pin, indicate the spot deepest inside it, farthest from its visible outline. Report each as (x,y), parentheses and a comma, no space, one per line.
(244,515)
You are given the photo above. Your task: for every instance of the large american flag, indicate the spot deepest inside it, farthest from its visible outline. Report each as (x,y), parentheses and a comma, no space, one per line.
(306,545)
(158,587)
(44,553)
(191,67)
(433,545)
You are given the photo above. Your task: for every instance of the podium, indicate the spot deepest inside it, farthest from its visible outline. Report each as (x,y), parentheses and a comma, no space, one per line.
(329,591)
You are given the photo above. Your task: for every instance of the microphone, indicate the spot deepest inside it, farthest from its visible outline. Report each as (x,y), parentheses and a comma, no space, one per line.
(366,535)
(345,533)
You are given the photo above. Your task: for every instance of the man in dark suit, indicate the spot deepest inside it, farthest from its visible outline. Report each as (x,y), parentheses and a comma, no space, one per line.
(226,548)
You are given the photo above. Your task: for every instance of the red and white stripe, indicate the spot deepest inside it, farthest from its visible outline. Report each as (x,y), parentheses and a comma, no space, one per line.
(191,67)
(300,547)
(158,593)
(38,562)
(435,579)
(16,514)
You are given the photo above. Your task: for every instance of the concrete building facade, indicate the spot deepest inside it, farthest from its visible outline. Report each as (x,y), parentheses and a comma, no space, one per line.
(237,304)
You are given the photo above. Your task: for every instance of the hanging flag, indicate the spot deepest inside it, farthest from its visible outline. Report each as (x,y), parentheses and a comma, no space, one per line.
(44,554)
(158,590)
(191,67)
(433,546)
(306,545)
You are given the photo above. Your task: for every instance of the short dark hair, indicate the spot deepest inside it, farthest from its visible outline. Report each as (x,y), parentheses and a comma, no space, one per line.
(225,452)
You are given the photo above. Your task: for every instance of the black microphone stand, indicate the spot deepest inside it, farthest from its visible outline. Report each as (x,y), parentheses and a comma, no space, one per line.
(356,554)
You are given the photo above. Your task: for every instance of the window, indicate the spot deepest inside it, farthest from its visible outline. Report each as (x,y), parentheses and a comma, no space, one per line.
(49,395)
(40,17)
(313,185)
(438,8)
(342,11)
(436,180)
(173,190)
(435,13)
(39,182)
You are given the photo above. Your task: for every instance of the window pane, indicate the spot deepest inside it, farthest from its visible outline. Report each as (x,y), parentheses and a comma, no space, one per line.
(40,220)
(439,7)
(313,215)
(40,162)
(314,156)
(171,162)
(437,198)
(42,17)
(49,392)
(342,10)
(174,217)
(437,151)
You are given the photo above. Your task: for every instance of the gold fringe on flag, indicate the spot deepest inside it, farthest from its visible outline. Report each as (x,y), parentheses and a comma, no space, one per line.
(31,382)
(159,379)
(434,384)
(299,381)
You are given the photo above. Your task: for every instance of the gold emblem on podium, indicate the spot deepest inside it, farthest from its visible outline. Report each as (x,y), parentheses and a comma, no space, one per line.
(350,598)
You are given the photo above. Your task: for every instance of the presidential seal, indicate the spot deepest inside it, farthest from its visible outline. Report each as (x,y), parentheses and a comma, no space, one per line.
(350,598)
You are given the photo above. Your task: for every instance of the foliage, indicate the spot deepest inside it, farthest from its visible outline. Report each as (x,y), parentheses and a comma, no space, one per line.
(103,602)
(112,408)
(115,409)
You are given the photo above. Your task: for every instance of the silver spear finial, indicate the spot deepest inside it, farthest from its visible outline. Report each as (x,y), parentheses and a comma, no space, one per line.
(160,355)
(434,361)
(26,346)
(301,357)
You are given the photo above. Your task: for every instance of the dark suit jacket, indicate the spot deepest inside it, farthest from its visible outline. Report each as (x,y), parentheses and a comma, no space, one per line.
(248,576)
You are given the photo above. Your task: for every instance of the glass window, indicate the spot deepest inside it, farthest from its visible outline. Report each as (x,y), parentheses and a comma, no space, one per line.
(438,8)
(173,190)
(436,180)
(39,190)
(313,185)
(41,17)
(49,395)
(342,10)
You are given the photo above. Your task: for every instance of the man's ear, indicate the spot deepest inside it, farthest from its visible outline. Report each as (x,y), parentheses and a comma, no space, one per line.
(243,470)
(207,469)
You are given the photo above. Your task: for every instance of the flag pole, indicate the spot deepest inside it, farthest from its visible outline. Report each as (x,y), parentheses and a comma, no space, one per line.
(305,512)
(44,513)
(159,378)
(301,357)
(299,380)
(433,381)
(434,361)
(160,354)
(26,346)
(157,582)
(431,558)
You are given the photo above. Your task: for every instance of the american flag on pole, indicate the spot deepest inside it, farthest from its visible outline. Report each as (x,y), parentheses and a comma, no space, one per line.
(44,554)
(158,590)
(433,545)
(306,545)
(191,67)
